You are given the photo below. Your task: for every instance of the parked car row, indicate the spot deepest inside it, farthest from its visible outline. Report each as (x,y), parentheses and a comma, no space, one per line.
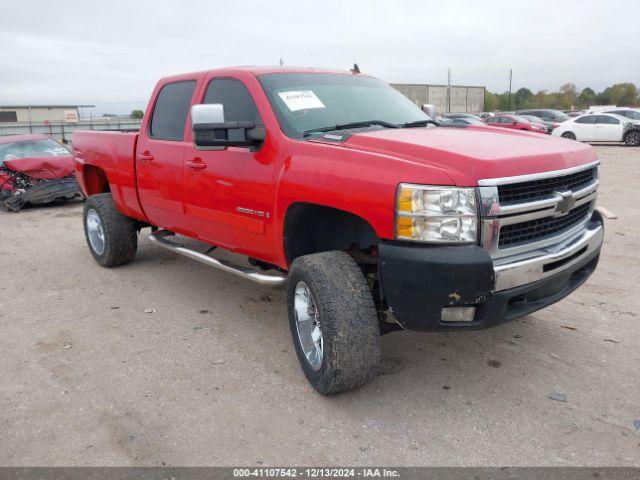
(611,124)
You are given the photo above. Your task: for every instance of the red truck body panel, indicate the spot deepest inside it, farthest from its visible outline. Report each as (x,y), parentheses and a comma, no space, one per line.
(113,153)
(151,180)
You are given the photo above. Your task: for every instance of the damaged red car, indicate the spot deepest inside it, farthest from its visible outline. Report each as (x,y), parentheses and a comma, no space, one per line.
(34,170)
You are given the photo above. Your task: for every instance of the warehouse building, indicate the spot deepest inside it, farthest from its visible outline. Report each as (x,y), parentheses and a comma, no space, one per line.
(40,113)
(456,99)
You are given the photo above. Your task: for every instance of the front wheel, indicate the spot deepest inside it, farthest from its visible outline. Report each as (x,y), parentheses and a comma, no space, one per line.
(333,321)
(569,135)
(632,138)
(112,237)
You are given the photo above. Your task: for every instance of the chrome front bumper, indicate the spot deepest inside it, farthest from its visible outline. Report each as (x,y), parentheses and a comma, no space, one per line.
(511,273)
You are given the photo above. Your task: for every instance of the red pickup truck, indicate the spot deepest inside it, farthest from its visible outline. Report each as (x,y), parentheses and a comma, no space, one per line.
(337,186)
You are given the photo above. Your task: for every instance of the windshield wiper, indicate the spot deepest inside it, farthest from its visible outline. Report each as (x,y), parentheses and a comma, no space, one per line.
(419,123)
(343,126)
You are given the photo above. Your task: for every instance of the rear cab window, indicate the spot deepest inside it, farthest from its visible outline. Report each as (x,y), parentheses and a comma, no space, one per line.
(171,110)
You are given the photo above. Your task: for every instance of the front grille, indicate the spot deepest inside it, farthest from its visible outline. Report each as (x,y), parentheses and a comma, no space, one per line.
(545,186)
(533,230)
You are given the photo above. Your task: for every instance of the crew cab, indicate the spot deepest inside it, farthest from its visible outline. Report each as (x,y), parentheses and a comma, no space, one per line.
(337,187)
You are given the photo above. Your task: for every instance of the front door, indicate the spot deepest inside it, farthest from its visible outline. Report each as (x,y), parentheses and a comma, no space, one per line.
(585,128)
(160,156)
(229,192)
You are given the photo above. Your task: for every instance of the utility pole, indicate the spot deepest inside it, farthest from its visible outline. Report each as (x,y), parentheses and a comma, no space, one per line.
(510,78)
(448,90)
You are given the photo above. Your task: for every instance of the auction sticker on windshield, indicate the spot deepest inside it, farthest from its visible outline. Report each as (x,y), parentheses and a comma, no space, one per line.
(301,100)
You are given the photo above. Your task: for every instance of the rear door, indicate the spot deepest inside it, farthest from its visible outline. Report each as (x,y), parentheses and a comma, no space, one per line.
(229,192)
(160,156)
(585,128)
(608,129)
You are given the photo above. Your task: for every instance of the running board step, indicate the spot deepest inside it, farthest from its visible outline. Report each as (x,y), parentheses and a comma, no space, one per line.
(160,238)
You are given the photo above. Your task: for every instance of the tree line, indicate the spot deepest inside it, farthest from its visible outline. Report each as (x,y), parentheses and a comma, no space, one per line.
(567,98)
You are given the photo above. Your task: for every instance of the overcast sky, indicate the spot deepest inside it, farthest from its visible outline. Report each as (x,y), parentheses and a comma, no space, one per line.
(112,52)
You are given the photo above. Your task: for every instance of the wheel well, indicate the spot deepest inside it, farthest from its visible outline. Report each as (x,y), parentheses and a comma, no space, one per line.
(95,180)
(310,228)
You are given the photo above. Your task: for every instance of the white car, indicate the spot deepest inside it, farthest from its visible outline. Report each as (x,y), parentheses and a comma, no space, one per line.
(631,113)
(600,127)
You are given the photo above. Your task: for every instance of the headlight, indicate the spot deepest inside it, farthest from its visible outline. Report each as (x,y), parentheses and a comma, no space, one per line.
(436,214)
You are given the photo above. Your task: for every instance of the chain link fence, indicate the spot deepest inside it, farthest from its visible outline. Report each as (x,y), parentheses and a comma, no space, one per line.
(63,131)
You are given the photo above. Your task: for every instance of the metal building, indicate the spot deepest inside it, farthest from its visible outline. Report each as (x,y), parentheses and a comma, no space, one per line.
(40,113)
(458,99)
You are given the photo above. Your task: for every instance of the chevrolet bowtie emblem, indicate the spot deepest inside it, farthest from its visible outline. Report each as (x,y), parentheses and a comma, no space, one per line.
(567,203)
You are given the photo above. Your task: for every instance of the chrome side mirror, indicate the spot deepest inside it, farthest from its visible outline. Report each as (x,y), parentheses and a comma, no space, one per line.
(430,110)
(210,131)
(207,113)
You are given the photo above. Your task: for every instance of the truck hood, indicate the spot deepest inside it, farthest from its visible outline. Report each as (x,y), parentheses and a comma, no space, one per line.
(470,154)
(43,168)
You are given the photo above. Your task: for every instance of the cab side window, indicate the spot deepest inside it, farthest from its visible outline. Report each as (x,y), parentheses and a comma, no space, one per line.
(587,119)
(236,99)
(171,110)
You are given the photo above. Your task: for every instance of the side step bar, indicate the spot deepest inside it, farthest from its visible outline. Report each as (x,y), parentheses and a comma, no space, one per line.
(159,238)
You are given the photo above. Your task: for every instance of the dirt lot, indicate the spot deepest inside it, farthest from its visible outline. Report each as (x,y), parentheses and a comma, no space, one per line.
(167,361)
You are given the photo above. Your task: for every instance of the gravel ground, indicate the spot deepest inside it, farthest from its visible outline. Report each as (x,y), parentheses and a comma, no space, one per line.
(166,361)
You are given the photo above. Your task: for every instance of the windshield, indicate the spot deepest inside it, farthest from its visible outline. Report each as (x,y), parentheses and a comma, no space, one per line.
(533,118)
(304,101)
(520,119)
(45,147)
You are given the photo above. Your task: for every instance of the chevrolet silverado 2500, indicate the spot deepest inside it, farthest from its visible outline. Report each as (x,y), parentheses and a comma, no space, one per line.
(337,186)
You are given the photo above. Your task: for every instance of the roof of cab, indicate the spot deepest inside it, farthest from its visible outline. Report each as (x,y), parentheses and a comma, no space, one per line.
(257,71)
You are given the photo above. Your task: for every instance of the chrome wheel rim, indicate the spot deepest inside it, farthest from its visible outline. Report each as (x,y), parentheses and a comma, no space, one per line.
(633,138)
(308,326)
(95,232)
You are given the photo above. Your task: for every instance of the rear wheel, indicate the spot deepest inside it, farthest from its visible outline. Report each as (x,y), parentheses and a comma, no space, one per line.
(569,135)
(112,237)
(333,321)
(632,138)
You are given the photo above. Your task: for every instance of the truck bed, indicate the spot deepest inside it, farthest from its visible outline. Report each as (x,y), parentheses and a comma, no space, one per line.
(113,153)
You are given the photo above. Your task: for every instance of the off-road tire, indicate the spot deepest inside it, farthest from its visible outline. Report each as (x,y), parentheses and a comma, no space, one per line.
(632,138)
(120,231)
(569,135)
(348,317)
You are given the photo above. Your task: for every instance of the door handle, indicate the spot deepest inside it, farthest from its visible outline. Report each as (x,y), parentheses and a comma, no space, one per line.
(146,156)
(196,163)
